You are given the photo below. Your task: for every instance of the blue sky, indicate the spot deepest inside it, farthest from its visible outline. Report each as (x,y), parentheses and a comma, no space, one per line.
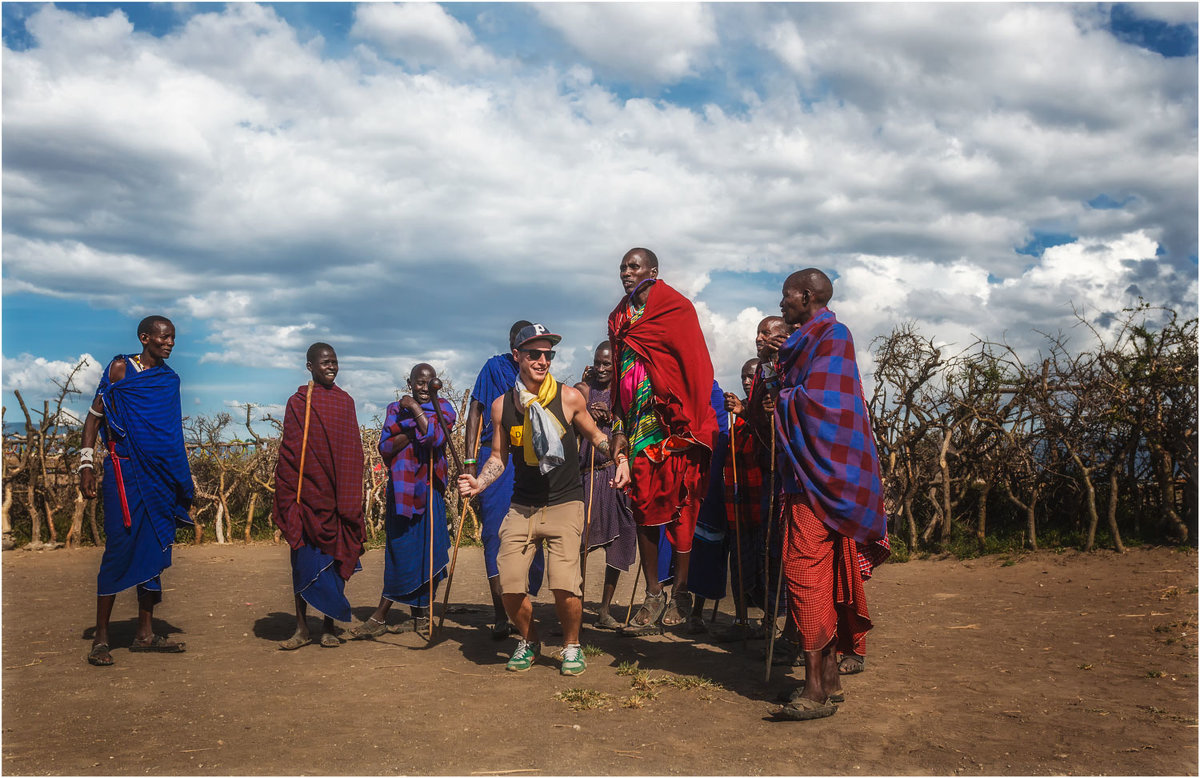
(404,181)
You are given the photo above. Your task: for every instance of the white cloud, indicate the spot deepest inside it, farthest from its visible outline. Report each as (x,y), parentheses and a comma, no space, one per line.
(234,173)
(420,34)
(1171,13)
(641,42)
(37,379)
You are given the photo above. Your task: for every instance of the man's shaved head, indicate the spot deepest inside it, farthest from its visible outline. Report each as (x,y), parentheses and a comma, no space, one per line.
(146,325)
(772,323)
(813,281)
(647,255)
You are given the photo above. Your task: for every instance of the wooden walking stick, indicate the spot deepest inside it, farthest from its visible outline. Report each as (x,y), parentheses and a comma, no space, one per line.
(429,521)
(787,531)
(304,439)
(767,563)
(587,523)
(436,386)
(632,594)
(737,531)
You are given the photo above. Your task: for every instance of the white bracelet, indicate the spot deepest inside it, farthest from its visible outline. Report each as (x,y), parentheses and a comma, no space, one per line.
(87,454)
(94,412)
(84,466)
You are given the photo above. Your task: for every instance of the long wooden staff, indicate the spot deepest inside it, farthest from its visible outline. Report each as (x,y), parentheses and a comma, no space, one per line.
(429,521)
(587,523)
(737,531)
(304,440)
(633,593)
(767,559)
(787,531)
(436,386)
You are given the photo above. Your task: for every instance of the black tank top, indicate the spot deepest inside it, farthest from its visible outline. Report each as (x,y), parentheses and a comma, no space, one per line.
(530,487)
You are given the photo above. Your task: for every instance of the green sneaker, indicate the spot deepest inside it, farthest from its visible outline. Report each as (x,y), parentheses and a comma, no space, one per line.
(572,660)
(523,658)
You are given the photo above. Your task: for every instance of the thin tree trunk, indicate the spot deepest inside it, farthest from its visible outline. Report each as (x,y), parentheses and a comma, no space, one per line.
(91,514)
(944,465)
(1090,494)
(1163,470)
(5,520)
(35,516)
(250,514)
(75,533)
(981,518)
(1113,493)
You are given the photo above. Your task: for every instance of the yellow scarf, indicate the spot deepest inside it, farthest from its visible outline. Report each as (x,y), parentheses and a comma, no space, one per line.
(523,436)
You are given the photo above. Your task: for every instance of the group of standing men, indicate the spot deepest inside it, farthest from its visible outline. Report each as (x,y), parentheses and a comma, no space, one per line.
(639,442)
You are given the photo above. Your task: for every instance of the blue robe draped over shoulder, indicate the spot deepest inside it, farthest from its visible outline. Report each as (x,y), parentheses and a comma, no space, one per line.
(143,422)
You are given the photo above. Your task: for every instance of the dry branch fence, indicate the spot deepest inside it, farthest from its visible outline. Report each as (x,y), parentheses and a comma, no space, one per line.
(981,449)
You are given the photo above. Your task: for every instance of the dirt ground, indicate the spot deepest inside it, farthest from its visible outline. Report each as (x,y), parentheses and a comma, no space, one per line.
(1057,663)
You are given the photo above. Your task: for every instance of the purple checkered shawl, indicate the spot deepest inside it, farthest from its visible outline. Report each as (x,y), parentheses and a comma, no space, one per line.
(827,449)
(409,464)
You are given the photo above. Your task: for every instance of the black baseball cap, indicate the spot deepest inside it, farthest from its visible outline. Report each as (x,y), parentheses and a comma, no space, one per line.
(536,332)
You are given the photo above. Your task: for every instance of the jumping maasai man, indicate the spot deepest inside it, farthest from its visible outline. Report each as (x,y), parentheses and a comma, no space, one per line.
(833,495)
(532,419)
(612,527)
(411,440)
(319,496)
(664,422)
(147,481)
(495,378)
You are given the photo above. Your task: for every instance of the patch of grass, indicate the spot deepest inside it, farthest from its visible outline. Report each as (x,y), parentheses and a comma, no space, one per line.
(900,550)
(627,668)
(1156,674)
(583,699)
(637,700)
(641,681)
(1008,562)
(688,682)
(590,650)
(1193,590)
(1085,667)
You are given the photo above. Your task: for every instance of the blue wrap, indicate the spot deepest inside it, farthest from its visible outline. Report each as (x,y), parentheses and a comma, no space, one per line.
(708,571)
(315,579)
(144,422)
(406,556)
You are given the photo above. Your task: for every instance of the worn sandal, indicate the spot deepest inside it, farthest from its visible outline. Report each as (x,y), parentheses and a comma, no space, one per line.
(851,664)
(294,642)
(679,610)
(804,709)
(791,695)
(157,644)
(330,640)
(369,629)
(606,621)
(100,656)
(645,621)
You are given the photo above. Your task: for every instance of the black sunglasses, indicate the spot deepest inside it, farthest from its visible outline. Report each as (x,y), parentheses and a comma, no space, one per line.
(535,353)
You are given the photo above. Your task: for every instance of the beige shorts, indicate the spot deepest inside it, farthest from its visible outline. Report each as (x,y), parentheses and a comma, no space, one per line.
(560,527)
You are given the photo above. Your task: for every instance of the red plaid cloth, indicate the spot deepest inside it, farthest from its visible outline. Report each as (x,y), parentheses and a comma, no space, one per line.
(825,586)
(330,514)
(744,500)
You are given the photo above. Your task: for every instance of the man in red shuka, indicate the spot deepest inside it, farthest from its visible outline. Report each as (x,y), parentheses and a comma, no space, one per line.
(665,424)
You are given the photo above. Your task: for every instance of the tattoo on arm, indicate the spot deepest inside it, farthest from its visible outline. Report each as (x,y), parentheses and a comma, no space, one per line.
(603,447)
(491,471)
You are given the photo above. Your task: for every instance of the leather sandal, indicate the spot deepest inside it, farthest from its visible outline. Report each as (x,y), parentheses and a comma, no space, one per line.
(645,621)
